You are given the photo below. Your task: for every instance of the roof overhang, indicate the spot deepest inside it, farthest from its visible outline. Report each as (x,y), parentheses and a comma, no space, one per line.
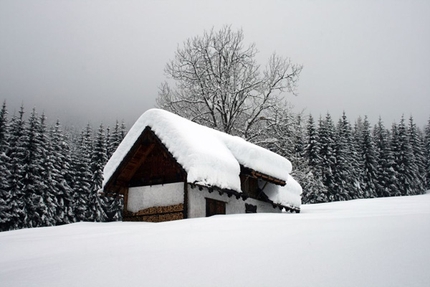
(259,175)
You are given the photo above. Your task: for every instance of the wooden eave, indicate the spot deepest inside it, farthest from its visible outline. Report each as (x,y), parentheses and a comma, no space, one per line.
(256,174)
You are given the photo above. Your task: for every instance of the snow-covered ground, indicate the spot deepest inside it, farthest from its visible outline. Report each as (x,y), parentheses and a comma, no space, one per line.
(372,242)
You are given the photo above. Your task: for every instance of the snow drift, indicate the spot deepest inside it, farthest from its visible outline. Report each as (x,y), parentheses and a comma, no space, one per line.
(371,242)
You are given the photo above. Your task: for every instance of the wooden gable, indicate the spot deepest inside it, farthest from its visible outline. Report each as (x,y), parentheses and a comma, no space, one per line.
(147,163)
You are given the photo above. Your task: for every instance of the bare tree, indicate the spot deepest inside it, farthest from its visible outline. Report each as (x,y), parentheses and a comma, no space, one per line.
(217,83)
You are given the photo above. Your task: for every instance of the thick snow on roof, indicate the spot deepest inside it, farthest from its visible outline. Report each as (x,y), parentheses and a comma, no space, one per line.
(208,156)
(288,195)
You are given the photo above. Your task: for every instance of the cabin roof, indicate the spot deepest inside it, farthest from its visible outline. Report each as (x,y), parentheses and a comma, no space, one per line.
(208,156)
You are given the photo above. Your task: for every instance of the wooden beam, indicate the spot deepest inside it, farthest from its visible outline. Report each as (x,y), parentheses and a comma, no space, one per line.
(269,178)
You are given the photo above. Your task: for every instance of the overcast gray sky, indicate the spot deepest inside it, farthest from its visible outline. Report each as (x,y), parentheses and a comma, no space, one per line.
(97,61)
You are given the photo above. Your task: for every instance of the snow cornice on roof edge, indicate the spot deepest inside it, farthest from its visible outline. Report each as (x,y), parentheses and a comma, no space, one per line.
(209,157)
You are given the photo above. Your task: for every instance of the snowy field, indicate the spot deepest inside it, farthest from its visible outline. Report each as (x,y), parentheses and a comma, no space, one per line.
(371,242)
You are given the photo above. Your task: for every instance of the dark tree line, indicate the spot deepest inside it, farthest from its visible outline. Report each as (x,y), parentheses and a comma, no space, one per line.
(340,161)
(51,177)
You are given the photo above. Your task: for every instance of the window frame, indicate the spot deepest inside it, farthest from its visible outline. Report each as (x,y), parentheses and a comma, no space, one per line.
(215,207)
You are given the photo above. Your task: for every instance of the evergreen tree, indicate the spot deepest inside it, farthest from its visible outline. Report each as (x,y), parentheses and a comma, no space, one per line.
(98,161)
(396,150)
(115,138)
(356,179)
(47,183)
(345,169)
(38,207)
(312,148)
(82,176)
(113,203)
(4,129)
(5,212)
(404,159)
(301,170)
(357,143)
(386,184)
(417,143)
(313,189)
(326,133)
(108,138)
(122,131)
(368,158)
(310,178)
(59,175)
(16,153)
(427,153)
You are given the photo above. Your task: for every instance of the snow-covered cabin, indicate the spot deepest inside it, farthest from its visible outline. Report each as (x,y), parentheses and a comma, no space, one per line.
(168,168)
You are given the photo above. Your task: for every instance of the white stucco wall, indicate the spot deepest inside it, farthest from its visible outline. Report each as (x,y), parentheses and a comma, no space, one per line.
(197,203)
(142,197)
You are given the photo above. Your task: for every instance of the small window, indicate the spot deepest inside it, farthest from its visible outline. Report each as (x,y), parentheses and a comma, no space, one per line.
(249,208)
(214,207)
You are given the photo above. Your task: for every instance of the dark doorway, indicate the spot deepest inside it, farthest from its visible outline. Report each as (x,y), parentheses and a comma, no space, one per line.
(249,208)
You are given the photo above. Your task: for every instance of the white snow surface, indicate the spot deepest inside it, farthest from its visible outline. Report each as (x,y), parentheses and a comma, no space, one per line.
(208,156)
(372,242)
(288,195)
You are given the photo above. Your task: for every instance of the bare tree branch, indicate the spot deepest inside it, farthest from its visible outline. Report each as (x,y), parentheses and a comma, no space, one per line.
(217,82)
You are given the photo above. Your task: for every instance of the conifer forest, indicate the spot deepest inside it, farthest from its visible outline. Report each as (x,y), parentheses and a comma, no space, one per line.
(51,175)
